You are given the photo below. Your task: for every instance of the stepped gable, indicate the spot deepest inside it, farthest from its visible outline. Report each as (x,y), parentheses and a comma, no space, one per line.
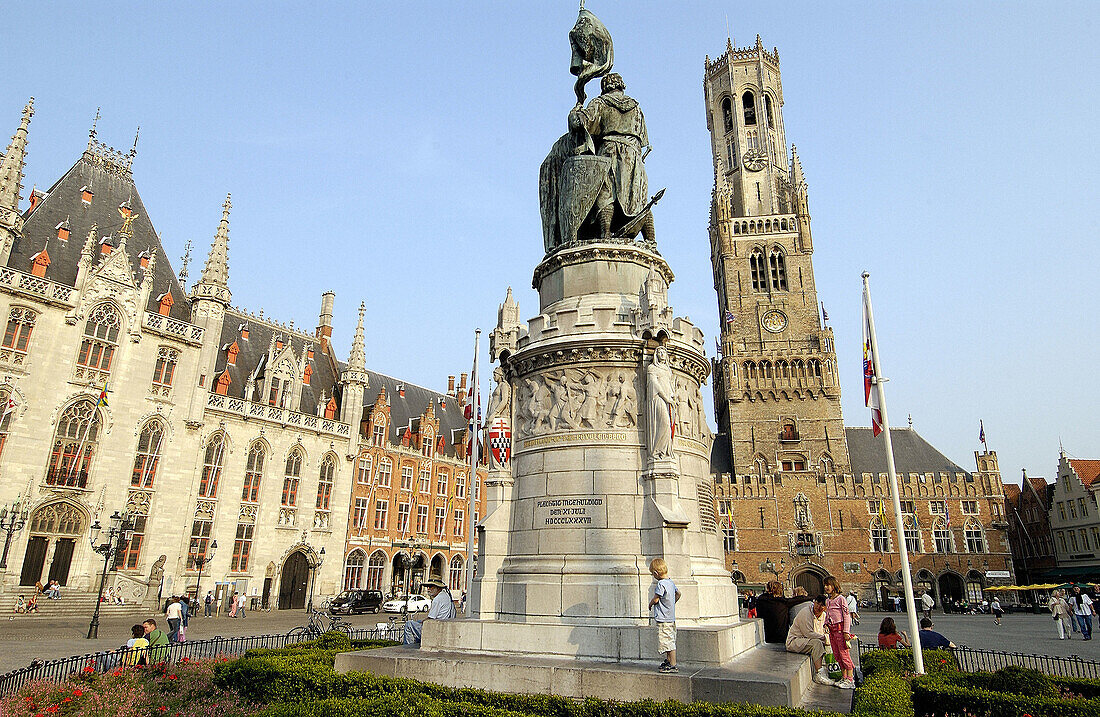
(912,454)
(406,410)
(1087,470)
(111,185)
(253,357)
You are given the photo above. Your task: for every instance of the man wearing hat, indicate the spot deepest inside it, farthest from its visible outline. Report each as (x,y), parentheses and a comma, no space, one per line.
(443,608)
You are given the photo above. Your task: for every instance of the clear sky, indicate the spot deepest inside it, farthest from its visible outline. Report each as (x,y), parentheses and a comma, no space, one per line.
(390,151)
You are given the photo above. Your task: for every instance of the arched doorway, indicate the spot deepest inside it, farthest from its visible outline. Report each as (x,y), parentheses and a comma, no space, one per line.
(54,530)
(883,584)
(438,564)
(811,579)
(951,589)
(975,583)
(294,581)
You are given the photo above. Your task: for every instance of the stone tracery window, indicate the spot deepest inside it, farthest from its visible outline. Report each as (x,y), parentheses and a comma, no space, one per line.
(941,536)
(100,338)
(975,537)
(325,481)
(147,459)
(457,566)
(353,570)
(778,265)
(880,537)
(77,433)
(58,519)
(254,471)
(375,567)
(17,337)
(165,369)
(212,466)
(758,270)
(291,476)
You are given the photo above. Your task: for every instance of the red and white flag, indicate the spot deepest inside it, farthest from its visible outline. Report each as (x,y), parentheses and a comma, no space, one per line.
(11,405)
(870,393)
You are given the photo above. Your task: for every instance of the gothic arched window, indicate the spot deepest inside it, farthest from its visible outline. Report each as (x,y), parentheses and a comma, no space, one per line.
(212,466)
(20,325)
(748,102)
(941,537)
(148,455)
(727,114)
(291,476)
(880,537)
(254,472)
(778,267)
(100,338)
(375,568)
(77,431)
(975,537)
(325,481)
(912,535)
(758,270)
(768,110)
(456,573)
(353,570)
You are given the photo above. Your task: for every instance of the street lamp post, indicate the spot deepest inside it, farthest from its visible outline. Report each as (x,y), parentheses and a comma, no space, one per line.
(313,577)
(200,560)
(119,530)
(11,522)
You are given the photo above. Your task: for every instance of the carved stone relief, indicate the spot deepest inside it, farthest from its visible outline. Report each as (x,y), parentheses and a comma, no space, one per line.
(205,509)
(660,406)
(138,502)
(247,514)
(577,399)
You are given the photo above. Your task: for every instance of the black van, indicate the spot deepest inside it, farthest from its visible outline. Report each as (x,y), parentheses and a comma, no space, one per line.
(352,602)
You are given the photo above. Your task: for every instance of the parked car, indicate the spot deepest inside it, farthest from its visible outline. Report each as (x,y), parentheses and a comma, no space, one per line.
(353,602)
(414,603)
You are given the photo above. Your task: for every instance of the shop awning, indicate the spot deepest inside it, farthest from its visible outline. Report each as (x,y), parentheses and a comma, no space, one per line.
(1079,574)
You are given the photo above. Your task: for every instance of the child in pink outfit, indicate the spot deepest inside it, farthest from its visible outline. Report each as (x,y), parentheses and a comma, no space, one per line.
(838,621)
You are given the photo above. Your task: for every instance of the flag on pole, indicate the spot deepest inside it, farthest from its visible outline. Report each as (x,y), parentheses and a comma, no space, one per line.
(824,313)
(730,318)
(870,396)
(981,431)
(102,400)
(947,515)
(10,406)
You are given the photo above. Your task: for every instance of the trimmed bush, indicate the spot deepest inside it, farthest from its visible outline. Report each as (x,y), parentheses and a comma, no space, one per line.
(942,695)
(1022,681)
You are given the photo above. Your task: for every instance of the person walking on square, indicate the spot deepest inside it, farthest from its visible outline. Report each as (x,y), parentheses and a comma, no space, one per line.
(998,613)
(807,637)
(1059,610)
(927,602)
(207,603)
(1083,610)
(663,605)
(839,622)
(185,610)
(853,607)
(174,615)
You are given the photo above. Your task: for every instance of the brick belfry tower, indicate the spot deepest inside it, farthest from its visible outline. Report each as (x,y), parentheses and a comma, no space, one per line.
(776,388)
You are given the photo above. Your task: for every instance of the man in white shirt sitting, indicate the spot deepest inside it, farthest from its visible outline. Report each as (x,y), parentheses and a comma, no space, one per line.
(807,637)
(442,608)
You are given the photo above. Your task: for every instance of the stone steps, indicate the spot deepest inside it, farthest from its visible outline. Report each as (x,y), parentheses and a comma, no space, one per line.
(72,604)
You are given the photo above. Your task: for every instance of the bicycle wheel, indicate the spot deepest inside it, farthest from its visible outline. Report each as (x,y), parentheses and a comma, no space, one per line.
(299,634)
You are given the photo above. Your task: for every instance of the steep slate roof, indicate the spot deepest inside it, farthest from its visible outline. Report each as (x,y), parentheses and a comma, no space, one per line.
(253,358)
(912,454)
(404,410)
(62,202)
(1087,470)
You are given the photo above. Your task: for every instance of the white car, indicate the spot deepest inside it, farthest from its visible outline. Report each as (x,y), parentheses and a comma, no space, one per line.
(414,603)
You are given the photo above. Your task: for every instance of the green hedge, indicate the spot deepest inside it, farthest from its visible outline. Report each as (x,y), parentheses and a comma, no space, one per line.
(885,691)
(942,695)
(302,681)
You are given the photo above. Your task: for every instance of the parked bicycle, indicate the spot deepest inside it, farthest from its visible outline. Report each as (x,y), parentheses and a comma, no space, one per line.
(319,623)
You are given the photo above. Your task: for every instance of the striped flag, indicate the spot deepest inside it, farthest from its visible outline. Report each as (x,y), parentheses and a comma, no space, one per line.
(870,395)
(102,400)
(981,431)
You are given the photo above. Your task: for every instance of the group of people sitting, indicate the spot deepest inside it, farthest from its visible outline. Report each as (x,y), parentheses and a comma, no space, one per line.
(113,596)
(51,590)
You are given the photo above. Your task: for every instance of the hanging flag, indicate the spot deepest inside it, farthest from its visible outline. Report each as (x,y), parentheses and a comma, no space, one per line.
(730,318)
(981,431)
(440,444)
(10,406)
(824,313)
(102,400)
(870,394)
(947,515)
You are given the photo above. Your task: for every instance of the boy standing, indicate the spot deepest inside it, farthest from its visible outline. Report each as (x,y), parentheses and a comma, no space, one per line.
(663,606)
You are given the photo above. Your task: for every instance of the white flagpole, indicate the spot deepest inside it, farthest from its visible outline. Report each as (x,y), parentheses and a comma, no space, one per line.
(906,578)
(471,486)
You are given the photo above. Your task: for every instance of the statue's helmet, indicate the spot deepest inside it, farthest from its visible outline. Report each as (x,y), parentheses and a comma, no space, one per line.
(611,82)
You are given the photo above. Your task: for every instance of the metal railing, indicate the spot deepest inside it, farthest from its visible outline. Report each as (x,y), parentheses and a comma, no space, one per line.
(107,660)
(970,659)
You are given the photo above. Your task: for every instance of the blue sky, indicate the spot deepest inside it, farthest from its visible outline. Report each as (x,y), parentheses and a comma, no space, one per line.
(390,151)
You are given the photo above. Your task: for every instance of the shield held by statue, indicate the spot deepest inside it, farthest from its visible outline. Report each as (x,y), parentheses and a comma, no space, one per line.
(500,441)
(582,176)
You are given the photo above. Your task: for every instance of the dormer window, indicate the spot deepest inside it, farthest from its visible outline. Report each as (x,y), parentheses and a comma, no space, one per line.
(164,303)
(63,230)
(309,354)
(106,245)
(231,353)
(330,409)
(86,195)
(40,262)
(307,374)
(279,344)
(222,386)
(244,330)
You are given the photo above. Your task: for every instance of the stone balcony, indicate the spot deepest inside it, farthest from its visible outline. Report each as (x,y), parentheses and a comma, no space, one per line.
(166,325)
(43,289)
(273,414)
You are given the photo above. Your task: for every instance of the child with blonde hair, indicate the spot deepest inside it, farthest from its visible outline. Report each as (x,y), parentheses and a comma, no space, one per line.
(663,606)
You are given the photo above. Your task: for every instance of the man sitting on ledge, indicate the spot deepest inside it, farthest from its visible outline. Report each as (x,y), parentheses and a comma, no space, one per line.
(443,608)
(807,637)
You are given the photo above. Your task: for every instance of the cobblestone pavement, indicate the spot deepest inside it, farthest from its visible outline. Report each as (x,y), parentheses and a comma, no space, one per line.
(1020,632)
(30,637)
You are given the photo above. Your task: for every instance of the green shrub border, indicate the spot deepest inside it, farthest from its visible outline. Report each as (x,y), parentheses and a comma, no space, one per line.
(300,680)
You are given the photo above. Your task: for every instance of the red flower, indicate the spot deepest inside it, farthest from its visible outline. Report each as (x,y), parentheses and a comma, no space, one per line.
(172,677)
(78,693)
(162,708)
(89,669)
(67,699)
(52,708)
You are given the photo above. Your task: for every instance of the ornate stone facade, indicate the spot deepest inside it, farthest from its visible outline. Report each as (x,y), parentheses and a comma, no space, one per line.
(799,494)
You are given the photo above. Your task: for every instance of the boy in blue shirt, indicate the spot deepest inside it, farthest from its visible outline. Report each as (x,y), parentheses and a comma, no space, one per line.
(663,606)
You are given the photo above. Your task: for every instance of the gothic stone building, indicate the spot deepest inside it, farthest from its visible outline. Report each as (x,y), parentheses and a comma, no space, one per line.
(800,494)
(218,428)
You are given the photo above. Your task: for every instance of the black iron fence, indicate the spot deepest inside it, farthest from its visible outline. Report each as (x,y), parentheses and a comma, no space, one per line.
(970,659)
(105,661)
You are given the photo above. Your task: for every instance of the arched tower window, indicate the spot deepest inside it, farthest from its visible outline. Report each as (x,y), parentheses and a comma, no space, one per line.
(748,102)
(291,476)
(100,338)
(778,266)
(254,472)
(727,114)
(148,455)
(768,110)
(77,431)
(758,270)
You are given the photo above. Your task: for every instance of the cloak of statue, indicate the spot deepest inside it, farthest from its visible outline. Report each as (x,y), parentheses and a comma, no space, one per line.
(592,185)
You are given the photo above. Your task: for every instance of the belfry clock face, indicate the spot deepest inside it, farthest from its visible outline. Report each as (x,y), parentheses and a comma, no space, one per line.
(774,321)
(755,160)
